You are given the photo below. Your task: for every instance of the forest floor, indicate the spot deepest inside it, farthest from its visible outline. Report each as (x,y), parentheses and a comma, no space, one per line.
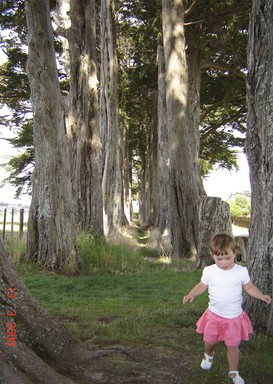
(142,364)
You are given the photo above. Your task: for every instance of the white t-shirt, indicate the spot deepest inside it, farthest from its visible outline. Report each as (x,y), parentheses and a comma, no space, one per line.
(225,289)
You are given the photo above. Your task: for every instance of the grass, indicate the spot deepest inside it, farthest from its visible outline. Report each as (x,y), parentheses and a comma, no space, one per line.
(124,297)
(115,308)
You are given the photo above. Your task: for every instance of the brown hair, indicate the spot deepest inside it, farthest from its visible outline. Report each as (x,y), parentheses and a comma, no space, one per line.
(221,243)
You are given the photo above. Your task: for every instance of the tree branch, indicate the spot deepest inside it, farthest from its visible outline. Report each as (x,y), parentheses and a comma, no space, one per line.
(210,109)
(213,128)
(195,22)
(191,7)
(223,68)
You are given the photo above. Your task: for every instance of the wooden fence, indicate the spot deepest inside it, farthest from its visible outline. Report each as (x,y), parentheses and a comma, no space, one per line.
(12,223)
(241,221)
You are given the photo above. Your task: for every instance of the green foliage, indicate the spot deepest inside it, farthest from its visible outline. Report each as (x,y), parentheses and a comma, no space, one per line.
(223,90)
(20,167)
(14,86)
(139,26)
(15,94)
(240,204)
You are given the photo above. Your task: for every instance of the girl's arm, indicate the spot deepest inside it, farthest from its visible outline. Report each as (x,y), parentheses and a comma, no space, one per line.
(253,291)
(196,291)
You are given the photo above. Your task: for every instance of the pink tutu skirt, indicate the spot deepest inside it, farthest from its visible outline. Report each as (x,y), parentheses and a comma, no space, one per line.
(231,331)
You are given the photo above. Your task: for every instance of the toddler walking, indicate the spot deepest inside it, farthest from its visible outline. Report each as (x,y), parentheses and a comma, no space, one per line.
(224,319)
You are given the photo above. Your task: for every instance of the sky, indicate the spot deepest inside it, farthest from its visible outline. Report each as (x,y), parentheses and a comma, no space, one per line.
(7,192)
(223,183)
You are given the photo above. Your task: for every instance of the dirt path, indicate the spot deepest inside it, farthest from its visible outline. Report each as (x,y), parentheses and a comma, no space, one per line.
(152,365)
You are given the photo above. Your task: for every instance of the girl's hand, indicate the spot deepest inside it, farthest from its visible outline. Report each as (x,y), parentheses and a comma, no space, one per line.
(188,298)
(196,291)
(253,291)
(267,299)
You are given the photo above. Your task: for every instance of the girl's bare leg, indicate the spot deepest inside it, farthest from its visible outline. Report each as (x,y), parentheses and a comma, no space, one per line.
(207,360)
(233,358)
(233,362)
(209,348)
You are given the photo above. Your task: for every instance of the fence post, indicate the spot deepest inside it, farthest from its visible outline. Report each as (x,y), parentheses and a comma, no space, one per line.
(12,223)
(4,223)
(21,227)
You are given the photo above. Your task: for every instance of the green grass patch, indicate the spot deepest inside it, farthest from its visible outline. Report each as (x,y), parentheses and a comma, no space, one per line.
(111,308)
(99,257)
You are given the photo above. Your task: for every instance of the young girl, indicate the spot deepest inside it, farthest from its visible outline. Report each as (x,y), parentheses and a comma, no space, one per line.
(224,319)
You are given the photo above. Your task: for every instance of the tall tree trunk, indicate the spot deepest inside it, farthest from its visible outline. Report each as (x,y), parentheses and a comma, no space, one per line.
(260,157)
(51,229)
(111,129)
(83,118)
(214,214)
(183,150)
(163,197)
(194,63)
(127,176)
(143,189)
(149,183)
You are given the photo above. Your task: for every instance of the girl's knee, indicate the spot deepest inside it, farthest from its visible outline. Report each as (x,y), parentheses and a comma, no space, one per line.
(232,347)
(232,350)
(210,346)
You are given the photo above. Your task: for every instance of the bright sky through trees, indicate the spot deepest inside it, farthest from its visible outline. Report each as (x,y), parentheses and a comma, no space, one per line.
(223,183)
(220,183)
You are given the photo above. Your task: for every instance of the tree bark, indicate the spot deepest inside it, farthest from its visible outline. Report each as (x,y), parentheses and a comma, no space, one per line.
(111,130)
(83,117)
(185,178)
(163,194)
(194,63)
(214,217)
(127,176)
(51,229)
(260,157)
(149,176)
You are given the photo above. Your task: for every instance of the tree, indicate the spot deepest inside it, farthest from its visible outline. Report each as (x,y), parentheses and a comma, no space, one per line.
(260,157)
(185,178)
(77,26)
(163,199)
(223,89)
(112,134)
(51,227)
